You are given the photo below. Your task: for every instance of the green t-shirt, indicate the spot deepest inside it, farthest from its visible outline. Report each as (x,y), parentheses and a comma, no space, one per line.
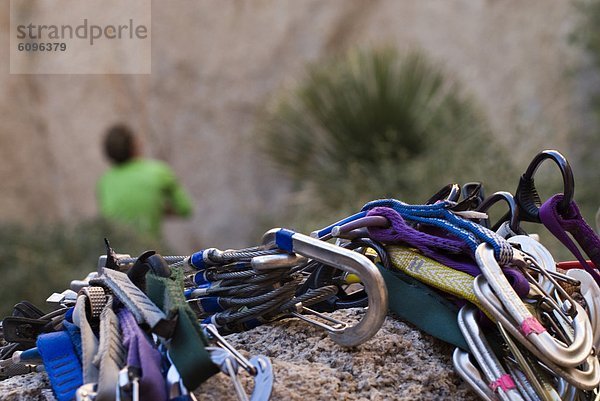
(140,192)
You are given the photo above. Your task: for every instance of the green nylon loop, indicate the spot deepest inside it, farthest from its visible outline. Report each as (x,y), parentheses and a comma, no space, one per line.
(187,346)
(420,305)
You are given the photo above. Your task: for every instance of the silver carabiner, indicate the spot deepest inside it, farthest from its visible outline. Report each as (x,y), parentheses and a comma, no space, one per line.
(572,355)
(586,378)
(270,262)
(128,388)
(544,264)
(228,358)
(212,333)
(524,371)
(228,365)
(591,293)
(348,261)
(175,386)
(261,366)
(479,347)
(471,374)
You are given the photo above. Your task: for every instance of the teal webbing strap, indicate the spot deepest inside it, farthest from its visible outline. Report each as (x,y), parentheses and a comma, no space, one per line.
(187,345)
(420,305)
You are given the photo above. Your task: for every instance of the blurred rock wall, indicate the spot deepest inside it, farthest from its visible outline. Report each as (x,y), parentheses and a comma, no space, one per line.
(215,64)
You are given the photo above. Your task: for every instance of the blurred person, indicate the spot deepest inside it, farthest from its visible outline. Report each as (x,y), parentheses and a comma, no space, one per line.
(137,191)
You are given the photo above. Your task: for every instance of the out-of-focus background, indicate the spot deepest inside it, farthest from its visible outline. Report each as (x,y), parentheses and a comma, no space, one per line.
(293,113)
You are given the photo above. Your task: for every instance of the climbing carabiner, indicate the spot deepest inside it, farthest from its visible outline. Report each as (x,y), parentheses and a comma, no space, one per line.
(491,367)
(348,261)
(571,355)
(585,377)
(527,196)
(513,211)
(471,374)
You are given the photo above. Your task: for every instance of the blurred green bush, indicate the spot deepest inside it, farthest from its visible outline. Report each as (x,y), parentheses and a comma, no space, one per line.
(38,260)
(374,123)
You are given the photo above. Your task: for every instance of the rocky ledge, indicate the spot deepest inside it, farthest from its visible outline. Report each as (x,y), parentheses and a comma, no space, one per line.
(399,363)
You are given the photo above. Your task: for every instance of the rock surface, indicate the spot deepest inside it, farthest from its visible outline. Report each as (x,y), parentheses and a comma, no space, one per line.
(30,387)
(399,363)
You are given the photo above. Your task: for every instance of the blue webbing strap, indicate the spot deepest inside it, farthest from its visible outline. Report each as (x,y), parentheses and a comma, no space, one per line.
(439,215)
(75,335)
(61,363)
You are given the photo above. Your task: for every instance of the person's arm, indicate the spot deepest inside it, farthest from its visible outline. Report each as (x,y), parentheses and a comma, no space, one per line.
(181,203)
(178,201)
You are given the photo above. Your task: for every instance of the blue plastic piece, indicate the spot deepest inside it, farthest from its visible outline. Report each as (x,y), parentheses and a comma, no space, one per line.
(210,304)
(200,278)
(31,354)
(189,293)
(197,260)
(61,363)
(283,240)
(69,314)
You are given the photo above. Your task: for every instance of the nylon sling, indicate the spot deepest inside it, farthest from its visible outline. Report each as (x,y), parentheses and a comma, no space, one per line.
(413,301)
(187,344)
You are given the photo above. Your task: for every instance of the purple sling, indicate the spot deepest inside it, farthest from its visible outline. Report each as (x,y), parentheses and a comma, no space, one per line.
(572,222)
(436,247)
(141,354)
